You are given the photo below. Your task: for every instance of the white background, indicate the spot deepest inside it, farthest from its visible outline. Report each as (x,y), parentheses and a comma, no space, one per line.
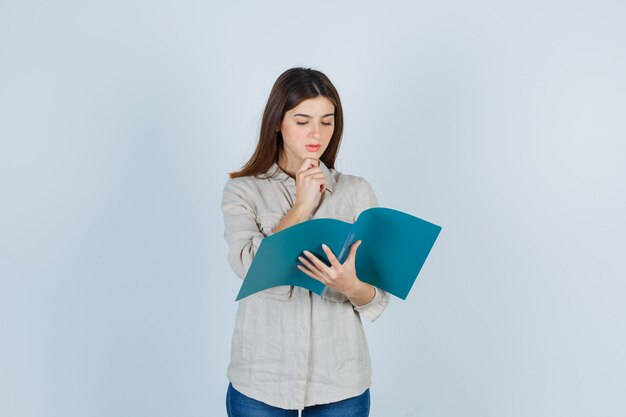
(503,122)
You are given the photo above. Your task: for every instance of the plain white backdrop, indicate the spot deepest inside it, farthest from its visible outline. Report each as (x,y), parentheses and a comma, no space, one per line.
(503,122)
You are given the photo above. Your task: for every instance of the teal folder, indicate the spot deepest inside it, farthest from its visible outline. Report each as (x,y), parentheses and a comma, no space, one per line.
(393,250)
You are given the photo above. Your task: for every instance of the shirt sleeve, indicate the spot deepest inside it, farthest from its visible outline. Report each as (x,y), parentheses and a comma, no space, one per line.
(372,310)
(241,230)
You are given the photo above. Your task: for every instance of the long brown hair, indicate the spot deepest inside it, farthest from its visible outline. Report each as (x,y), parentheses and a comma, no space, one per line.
(290,89)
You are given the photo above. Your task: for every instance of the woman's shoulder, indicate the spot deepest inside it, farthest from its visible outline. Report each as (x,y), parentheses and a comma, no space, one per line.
(357,187)
(246,181)
(246,186)
(349,180)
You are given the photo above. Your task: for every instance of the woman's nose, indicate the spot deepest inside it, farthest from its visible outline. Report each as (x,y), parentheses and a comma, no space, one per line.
(315,130)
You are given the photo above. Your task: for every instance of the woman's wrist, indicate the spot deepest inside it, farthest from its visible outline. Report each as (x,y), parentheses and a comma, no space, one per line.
(362,294)
(296,214)
(301,211)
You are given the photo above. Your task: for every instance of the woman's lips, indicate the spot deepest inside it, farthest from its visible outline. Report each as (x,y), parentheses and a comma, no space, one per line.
(313,148)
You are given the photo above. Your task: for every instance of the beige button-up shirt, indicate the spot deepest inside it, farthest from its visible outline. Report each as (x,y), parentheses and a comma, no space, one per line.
(290,347)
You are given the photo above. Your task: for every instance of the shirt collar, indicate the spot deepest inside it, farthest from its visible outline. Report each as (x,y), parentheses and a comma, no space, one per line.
(275,173)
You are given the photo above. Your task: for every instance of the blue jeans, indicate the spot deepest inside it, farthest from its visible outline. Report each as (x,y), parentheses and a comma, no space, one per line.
(239,405)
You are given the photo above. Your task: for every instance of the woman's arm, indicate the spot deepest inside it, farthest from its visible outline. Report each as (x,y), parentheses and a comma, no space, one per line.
(241,230)
(296,214)
(240,227)
(309,179)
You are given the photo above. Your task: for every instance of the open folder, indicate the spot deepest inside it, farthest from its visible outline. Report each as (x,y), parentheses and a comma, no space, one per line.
(393,250)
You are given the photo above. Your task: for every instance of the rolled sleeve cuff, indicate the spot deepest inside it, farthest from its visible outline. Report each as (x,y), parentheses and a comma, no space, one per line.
(374,308)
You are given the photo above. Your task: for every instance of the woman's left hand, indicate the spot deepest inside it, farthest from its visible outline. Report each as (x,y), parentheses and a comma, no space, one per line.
(340,277)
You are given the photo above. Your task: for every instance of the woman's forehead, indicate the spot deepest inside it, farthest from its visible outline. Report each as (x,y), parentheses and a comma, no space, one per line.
(314,107)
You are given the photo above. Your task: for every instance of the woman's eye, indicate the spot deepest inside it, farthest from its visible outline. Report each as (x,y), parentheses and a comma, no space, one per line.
(303,123)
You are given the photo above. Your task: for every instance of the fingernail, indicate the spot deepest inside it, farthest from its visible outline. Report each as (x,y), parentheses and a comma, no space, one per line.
(324,245)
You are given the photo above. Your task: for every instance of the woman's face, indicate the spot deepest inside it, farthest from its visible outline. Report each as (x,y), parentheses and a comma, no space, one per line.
(310,123)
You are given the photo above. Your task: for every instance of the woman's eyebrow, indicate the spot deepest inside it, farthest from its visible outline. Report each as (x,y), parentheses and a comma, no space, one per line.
(306,115)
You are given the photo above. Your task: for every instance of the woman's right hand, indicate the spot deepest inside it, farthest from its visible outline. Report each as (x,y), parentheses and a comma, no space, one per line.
(310,184)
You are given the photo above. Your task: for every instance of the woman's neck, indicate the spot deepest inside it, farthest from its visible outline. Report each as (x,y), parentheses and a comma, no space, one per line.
(290,168)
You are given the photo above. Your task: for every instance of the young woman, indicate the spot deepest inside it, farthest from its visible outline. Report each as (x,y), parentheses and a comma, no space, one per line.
(292,349)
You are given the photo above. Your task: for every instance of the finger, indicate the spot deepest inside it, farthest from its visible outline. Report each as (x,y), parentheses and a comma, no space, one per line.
(307,176)
(309,265)
(306,164)
(309,273)
(323,268)
(320,182)
(323,184)
(313,161)
(331,256)
(311,177)
(310,163)
(312,172)
(353,248)
(317,181)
